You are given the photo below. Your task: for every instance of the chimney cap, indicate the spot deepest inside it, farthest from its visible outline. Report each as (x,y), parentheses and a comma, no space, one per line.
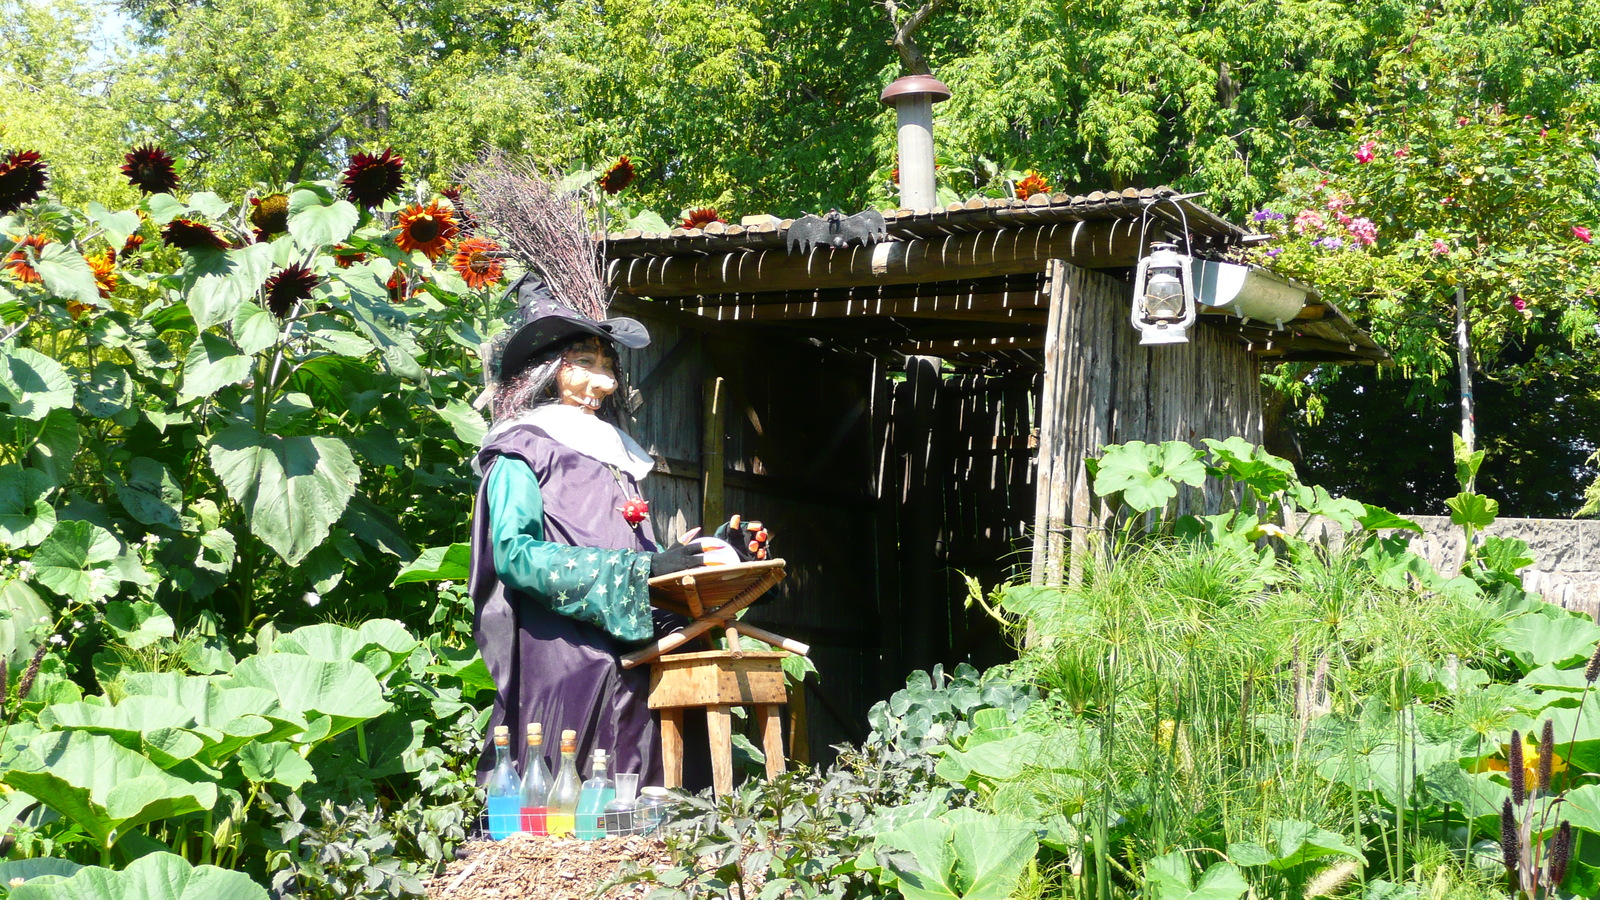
(912,85)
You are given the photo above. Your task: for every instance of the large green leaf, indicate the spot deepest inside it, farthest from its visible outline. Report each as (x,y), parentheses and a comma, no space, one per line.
(315,223)
(215,282)
(1170,878)
(25,517)
(32,384)
(67,275)
(277,762)
(103,787)
(383,324)
(1474,510)
(965,854)
(226,714)
(345,692)
(254,329)
(21,608)
(72,561)
(292,489)
(465,421)
(1377,517)
(1537,640)
(55,445)
(117,226)
(108,391)
(450,563)
(46,868)
(1290,843)
(379,644)
(1147,474)
(157,728)
(1240,460)
(213,363)
(157,876)
(151,495)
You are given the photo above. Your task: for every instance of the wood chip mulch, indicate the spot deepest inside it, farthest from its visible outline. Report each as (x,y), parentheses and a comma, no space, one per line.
(525,867)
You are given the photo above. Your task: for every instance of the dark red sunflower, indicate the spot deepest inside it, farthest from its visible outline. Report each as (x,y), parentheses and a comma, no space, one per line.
(477,262)
(269,215)
(104,267)
(19,262)
(187,234)
(131,246)
(403,287)
(1032,183)
(700,218)
(288,286)
(22,179)
(370,179)
(149,168)
(464,216)
(618,176)
(427,228)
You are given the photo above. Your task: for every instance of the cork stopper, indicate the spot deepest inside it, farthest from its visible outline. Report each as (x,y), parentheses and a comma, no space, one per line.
(569,741)
(502,736)
(535,734)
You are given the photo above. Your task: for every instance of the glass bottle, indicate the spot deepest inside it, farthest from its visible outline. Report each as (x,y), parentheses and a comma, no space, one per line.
(592,800)
(619,812)
(562,804)
(535,782)
(651,809)
(504,789)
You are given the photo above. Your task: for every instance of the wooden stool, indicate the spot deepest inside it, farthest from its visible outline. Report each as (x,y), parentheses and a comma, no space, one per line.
(716,681)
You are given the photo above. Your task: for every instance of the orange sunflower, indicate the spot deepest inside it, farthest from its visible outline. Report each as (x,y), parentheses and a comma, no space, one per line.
(427,228)
(104,267)
(477,262)
(20,264)
(1032,183)
(700,218)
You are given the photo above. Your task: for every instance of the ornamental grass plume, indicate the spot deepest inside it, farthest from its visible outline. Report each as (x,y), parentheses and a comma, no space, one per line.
(25,685)
(1592,670)
(1547,752)
(23,175)
(1516,770)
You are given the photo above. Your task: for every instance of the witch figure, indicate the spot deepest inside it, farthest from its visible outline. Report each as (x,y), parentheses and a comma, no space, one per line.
(561,547)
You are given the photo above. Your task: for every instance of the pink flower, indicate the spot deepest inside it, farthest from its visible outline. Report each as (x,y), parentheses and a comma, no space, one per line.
(1308,220)
(1366,152)
(1462,121)
(1362,231)
(1447,201)
(1402,151)
(1339,201)
(1440,248)
(1344,219)
(1518,303)
(1581,233)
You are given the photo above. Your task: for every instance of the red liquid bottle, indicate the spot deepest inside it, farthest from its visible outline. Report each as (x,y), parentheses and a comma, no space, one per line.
(535,783)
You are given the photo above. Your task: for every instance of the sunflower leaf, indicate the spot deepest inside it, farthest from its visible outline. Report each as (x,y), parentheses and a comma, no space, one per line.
(25,517)
(117,226)
(213,364)
(32,384)
(292,489)
(216,282)
(313,223)
(151,495)
(163,208)
(67,275)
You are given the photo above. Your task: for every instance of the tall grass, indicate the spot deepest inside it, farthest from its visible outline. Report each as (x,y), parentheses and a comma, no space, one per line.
(1196,692)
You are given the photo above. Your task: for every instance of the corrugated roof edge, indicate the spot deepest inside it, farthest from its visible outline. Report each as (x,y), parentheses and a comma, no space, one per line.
(978,214)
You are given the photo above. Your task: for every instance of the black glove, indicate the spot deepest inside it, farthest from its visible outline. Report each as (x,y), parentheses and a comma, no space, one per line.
(676,558)
(749,539)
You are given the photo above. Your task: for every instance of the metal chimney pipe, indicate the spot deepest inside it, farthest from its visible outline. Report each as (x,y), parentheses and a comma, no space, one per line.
(913,98)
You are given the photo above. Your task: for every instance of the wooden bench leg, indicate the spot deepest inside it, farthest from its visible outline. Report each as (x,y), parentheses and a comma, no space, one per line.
(719,725)
(771,737)
(672,747)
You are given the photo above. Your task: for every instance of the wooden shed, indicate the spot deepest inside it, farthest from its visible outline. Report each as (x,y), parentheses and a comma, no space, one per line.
(907,413)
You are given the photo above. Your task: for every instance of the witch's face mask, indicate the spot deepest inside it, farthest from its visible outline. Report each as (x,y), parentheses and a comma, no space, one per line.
(587,376)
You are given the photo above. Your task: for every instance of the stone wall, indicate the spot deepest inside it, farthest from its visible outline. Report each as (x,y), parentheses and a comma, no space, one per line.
(1566,553)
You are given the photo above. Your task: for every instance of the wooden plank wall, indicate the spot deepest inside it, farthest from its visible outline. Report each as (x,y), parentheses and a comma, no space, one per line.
(960,460)
(799,455)
(1102,387)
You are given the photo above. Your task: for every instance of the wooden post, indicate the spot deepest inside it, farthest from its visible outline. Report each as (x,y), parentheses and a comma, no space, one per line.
(672,747)
(719,725)
(1053,483)
(712,465)
(771,719)
(920,455)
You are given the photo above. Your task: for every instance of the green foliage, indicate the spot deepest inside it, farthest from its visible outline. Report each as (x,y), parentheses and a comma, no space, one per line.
(158,875)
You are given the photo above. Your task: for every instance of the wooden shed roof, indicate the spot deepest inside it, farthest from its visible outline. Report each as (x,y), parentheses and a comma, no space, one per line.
(963,282)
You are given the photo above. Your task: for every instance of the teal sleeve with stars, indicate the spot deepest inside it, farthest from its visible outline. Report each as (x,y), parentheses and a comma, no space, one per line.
(606,588)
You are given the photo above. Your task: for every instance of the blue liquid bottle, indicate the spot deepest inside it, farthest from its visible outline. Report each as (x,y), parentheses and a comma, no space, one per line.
(592,800)
(504,789)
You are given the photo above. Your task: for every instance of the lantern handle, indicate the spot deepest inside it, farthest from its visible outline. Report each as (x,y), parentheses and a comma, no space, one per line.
(1144,221)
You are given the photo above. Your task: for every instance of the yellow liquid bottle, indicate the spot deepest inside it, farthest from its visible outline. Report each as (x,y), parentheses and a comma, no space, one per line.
(562,807)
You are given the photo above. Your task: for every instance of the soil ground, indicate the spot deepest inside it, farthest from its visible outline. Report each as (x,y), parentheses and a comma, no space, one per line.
(525,867)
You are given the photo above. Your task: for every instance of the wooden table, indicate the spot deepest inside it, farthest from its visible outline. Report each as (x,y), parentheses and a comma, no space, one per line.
(717,680)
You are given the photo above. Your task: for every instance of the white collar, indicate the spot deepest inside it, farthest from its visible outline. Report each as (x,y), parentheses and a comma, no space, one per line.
(585,433)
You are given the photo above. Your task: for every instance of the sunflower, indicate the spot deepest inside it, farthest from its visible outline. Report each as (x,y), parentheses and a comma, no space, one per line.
(468,221)
(289,286)
(149,169)
(477,263)
(187,234)
(700,218)
(131,246)
(104,267)
(427,228)
(20,263)
(619,176)
(269,215)
(370,179)
(1032,183)
(345,256)
(22,178)
(401,288)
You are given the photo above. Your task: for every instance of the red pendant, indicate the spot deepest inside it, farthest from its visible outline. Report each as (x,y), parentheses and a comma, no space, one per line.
(635,511)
